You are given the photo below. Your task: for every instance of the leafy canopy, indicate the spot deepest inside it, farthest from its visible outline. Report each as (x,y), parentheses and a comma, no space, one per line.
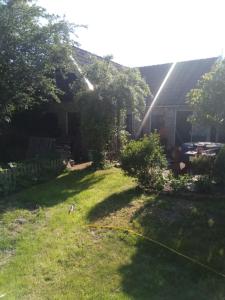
(124,86)
(33,46)
(117,91)
(208,98)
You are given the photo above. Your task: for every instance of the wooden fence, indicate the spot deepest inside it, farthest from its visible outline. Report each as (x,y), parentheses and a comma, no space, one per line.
(11,178)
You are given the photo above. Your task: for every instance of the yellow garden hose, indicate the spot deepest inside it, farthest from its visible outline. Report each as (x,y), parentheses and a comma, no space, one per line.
(159,244)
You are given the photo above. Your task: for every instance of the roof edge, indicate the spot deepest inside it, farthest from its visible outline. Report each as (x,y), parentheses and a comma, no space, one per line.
(182,61)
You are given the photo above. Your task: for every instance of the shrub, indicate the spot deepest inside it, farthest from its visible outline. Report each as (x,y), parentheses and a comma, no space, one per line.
(204,184)
(203,165)
(181,183)
(145,160)
(219,167)
(124,137)
(98,158)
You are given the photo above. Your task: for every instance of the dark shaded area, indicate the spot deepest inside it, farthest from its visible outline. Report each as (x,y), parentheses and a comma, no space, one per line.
(69,83)
(52,192)
(13,147)
(36,122)
(39,123)
(113,203)
(14,140)
(156,273)
(78,149)
(183,127)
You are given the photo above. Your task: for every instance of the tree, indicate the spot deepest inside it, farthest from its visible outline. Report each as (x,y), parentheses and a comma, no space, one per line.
(208,99)
(34,46)
(117,90)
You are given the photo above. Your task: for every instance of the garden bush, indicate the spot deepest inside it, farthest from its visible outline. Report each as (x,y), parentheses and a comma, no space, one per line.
(181,183)
(219,167)
(98,158)
(145,160)
(203,165)
(204,184)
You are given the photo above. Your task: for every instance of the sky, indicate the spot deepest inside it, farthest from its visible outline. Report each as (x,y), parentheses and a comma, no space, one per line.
(146,32)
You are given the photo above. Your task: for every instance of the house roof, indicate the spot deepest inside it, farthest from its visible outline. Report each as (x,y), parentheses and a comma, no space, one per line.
(183,78)
(85,57)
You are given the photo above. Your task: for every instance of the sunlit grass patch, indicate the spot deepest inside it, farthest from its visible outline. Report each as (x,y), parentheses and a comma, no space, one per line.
(47,253)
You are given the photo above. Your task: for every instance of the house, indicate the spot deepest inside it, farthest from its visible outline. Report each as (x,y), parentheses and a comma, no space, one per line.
(61,121)
(65,115)
(66,112)
(170,113)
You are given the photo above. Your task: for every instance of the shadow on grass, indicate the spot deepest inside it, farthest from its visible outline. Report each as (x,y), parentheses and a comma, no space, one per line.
(156,273)
(52,192)
(113,203)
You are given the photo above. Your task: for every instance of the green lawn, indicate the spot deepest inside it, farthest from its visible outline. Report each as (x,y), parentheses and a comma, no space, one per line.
(53,255)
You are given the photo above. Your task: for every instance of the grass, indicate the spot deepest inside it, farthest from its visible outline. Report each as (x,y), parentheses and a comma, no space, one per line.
(53,255)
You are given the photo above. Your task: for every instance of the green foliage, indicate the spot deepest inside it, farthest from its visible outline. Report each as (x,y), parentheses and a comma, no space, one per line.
(207,99)
(28,173)
(219,167)
(180,183)
(124,87)
(54,255)
(116,91)
(34,46)
(145,160)
(204,184)
(202,165)
(98,158)
(96,124)
(124,138)
(210,169)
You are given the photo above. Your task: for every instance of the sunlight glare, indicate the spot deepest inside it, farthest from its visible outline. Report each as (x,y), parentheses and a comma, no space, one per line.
(155,98)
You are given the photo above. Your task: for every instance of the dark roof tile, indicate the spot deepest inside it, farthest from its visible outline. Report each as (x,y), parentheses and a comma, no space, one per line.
(85,57)
(183,78)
